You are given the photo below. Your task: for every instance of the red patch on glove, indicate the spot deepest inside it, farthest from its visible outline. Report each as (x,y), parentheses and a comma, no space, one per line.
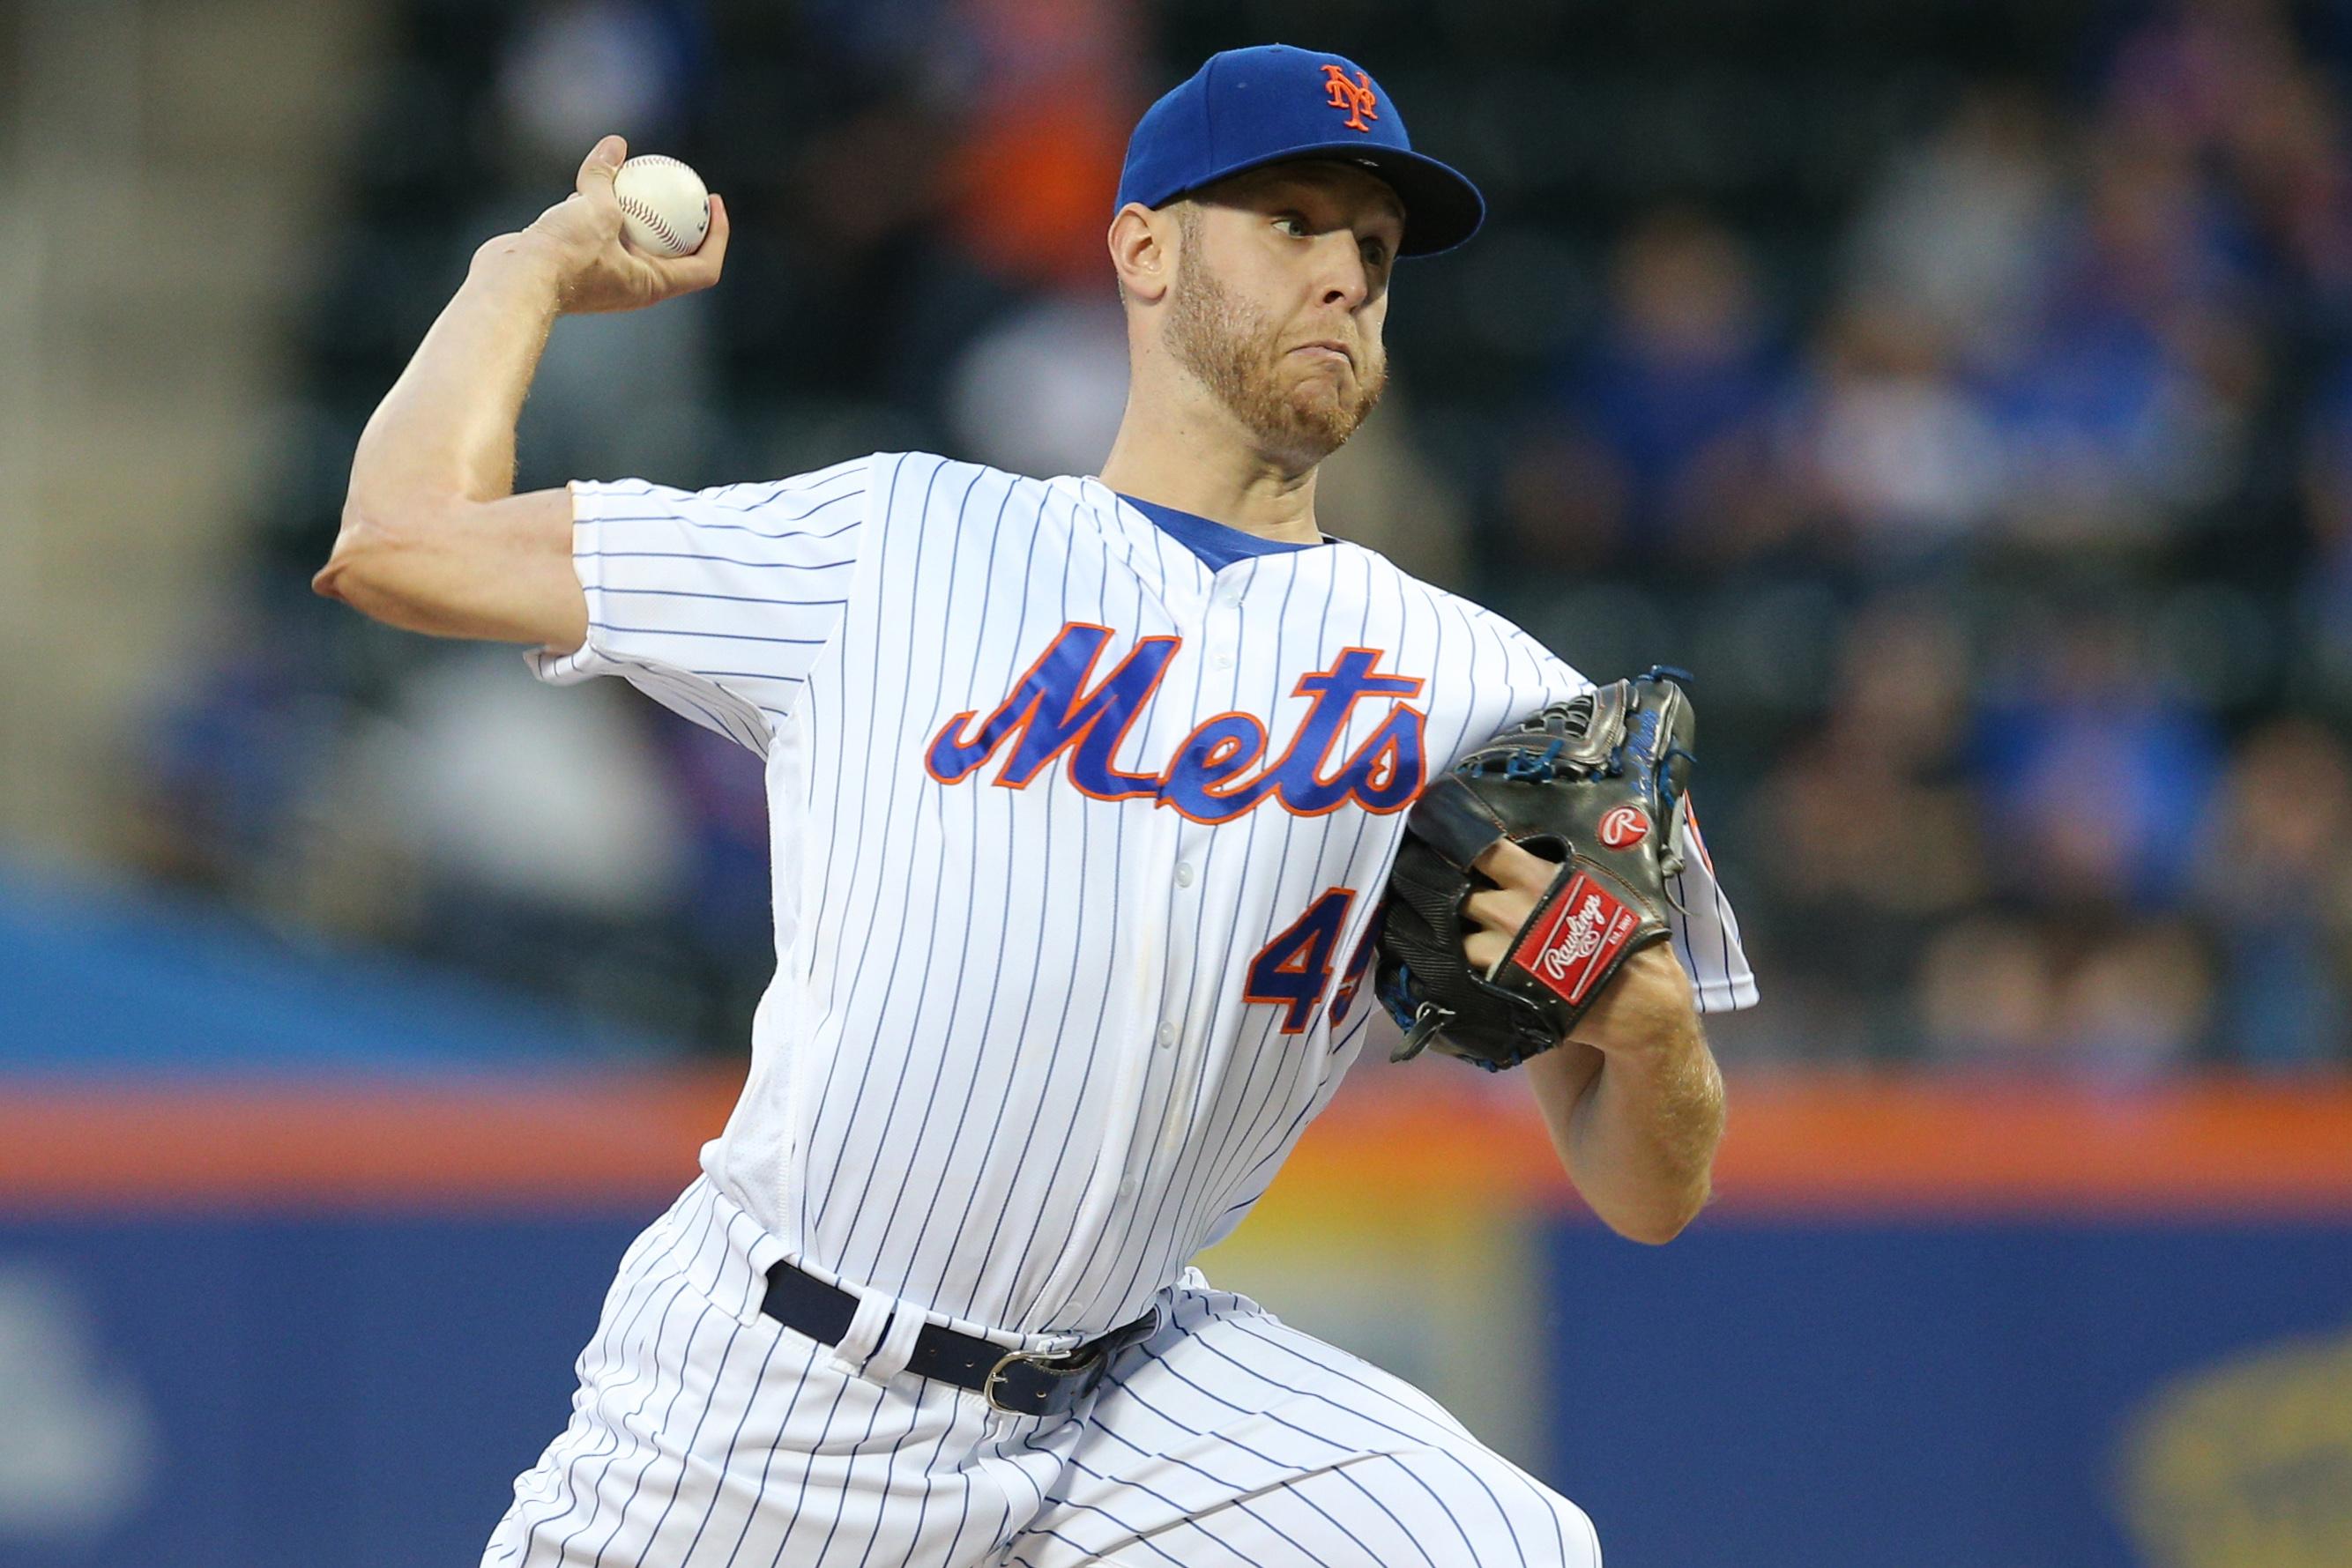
(1578,940)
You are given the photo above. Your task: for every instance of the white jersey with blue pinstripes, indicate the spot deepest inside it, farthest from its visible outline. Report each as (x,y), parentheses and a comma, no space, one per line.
(1076,843)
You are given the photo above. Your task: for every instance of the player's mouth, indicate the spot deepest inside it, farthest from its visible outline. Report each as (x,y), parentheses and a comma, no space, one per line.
(1327,349)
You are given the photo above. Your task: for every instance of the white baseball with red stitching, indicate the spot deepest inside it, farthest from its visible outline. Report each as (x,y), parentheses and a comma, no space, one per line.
(665,206)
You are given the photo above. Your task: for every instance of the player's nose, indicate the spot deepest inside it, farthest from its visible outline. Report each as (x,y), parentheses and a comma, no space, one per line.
(1342,277)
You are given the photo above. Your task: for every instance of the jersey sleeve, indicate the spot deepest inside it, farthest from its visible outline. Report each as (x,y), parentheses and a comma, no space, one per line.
(716,603)
(1705,931)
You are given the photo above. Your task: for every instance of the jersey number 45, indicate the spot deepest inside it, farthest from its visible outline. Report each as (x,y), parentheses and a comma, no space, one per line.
(1294,970)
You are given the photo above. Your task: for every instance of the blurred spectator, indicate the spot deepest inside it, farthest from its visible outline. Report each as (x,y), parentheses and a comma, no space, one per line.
(1960,229)
(226,768)
(1902,458)
(2107,433)
(524,796)
(1663,417)
(1988,994)
(2094,771)
(2275,873)
(1868,836)
(1379,491)
(2226,82)
(2325,595)
(2152,234)
(1041,391)
(580,69)
(2122,1008)
(722,796)
(1046,127)
(2137,1006)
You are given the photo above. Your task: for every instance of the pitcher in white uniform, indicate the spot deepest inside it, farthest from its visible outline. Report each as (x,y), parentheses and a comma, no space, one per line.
(1082,792)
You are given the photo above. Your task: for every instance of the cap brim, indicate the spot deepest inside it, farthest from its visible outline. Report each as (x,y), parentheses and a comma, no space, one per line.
(1442,208)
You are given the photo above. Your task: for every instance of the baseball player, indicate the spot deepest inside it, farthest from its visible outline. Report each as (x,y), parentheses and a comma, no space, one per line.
(1085,791)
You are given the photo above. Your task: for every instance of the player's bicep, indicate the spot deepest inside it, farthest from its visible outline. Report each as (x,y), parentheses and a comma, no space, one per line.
(495,570)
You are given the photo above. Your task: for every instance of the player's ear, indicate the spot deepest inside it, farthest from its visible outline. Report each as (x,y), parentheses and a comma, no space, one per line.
(1142,251)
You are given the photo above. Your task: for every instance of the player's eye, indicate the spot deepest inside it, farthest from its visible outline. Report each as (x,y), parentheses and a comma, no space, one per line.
(1375,253)
(1291,224)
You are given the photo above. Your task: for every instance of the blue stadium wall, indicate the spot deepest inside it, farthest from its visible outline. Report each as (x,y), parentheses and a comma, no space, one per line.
(260,1326)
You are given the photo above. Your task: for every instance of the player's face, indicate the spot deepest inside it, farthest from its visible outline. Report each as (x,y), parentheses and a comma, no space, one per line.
(1279,297)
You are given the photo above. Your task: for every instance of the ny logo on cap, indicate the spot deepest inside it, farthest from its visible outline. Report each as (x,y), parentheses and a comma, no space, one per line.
(1355,97)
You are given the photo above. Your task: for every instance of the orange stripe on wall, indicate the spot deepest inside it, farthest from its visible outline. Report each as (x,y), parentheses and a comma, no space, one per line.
(340,1145)
(1809,1144)
(1875,1145)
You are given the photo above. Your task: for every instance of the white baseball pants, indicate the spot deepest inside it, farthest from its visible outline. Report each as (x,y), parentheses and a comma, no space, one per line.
(705,1434)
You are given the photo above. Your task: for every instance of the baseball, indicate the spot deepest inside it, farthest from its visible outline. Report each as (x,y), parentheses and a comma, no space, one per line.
(665,206)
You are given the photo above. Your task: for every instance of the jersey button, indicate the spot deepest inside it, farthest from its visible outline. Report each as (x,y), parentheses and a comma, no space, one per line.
(1184,873)
(1127,1187)
(1167,1035)
(1230,595)
(1224,660)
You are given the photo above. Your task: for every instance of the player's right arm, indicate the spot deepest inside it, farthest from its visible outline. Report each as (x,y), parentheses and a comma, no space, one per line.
(434,538)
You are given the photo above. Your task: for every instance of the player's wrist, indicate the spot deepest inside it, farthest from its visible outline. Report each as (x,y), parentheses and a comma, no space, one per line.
(526,259)
(1647,1013)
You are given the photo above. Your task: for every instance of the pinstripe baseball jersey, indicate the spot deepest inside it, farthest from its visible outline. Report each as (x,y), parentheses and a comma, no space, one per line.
(1077,839)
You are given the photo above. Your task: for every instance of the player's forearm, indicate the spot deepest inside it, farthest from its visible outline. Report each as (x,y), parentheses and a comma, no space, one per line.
(1642,1138)
(446,432)
(1635,1102)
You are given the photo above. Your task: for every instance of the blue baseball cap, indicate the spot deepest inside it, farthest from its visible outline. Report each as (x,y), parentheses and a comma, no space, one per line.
(1249,107)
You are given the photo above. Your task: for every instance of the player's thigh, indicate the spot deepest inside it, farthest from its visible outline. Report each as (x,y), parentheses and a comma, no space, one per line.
(707,1434)
(1433,1509)
(1232,1440)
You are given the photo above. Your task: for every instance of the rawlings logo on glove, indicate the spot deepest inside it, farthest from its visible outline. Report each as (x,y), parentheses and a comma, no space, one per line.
(1588,783)
(1592,925)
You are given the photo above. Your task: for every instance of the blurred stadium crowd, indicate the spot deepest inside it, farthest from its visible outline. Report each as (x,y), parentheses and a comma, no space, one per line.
(1960,390)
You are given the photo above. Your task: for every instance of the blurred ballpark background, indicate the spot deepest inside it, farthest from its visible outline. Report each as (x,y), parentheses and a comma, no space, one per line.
(1962,389)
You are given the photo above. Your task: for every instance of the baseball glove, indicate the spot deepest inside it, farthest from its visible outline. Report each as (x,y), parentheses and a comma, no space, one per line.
(1597,783)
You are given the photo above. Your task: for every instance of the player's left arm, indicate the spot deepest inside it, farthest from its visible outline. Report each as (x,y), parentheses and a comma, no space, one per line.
(1633,1100)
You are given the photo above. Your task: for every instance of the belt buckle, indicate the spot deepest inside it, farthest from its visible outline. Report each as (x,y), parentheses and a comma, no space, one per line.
(1035,1358)
(1090,1358)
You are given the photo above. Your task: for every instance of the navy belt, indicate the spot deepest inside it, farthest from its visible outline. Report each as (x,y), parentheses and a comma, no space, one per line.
(1021,1382)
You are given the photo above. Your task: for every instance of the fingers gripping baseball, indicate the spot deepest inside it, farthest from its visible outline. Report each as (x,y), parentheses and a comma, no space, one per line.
(598,270)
